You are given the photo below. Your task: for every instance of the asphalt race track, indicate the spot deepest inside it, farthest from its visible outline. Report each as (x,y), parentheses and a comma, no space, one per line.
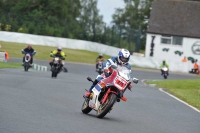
(33,102)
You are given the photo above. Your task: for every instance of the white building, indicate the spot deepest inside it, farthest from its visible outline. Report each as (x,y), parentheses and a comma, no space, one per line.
(174,31)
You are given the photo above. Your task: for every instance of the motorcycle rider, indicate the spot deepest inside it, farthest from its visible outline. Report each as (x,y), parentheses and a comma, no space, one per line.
(122,59)
(29,50)
(58,53)
(195,67)
(99,58)
(162,65)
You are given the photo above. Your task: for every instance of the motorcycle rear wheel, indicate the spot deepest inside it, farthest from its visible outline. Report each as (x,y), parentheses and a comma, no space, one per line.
(106,107)
(85,107)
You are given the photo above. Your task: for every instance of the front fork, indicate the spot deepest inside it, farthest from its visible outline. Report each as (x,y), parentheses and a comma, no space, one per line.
(106,95)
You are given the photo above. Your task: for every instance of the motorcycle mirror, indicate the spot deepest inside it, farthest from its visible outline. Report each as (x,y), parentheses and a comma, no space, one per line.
(135,80)
(89,79)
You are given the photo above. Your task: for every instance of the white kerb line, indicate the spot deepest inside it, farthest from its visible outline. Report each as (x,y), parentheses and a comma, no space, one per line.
(179,100)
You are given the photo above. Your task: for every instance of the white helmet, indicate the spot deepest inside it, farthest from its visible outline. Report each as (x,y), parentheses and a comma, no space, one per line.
(59,48)
(123,56)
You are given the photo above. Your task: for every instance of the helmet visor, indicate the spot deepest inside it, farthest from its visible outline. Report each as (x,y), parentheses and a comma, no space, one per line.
(123,59)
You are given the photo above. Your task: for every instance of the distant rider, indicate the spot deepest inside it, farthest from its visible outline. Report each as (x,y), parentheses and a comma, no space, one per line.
(99,58)
(122,59)
(31,51)
(162,65)
(58,53)
(196,67)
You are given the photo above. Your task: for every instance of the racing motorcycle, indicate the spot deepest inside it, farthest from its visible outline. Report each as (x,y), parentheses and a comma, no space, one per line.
(55,66)
(100,67)
(108,91)
(165,72)
(27,60)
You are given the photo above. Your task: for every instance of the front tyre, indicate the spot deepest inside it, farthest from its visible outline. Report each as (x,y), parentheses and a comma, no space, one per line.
(55,74)
(52,74)
(106,107)
(26,67)
(85,107)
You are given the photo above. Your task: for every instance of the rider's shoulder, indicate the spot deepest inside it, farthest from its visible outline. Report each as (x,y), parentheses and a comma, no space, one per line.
(114,58)
(128,65)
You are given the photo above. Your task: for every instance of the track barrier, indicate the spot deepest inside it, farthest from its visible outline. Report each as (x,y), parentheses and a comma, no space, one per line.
(2,56)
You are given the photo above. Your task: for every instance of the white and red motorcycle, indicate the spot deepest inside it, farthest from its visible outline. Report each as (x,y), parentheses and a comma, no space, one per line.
(27,59)
(108,91)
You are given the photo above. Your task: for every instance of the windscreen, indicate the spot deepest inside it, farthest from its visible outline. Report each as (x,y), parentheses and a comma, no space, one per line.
(124,72)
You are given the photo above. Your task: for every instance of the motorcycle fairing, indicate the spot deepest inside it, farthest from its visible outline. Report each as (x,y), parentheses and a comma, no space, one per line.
(56,60)
(164,68)
(120,83)
(94,103)
(27,57)
(109,79)
(97,87)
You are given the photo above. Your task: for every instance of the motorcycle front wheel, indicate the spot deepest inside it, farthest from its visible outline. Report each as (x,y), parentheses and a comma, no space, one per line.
(107,106)
(54,74)
(85,107)
(26,67)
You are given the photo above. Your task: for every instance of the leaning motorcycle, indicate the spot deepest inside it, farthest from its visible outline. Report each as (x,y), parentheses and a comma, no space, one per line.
(165,72)
(55,66)
(100,67)
(108,91)
(27,60)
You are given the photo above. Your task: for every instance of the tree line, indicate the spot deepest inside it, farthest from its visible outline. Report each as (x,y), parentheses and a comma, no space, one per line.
(78,19)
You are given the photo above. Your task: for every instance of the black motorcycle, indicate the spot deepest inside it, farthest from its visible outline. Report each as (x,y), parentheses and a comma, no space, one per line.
(55,66)
(100,67)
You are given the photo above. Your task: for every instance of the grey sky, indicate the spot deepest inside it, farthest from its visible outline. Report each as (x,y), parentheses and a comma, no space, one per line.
(107,8)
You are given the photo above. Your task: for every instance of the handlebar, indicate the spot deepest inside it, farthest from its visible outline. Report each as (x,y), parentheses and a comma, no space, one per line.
(23,52)
(62,58)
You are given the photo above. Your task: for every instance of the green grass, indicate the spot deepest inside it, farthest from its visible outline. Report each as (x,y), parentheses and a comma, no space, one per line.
(43,52)
(10,65)
(187,90)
